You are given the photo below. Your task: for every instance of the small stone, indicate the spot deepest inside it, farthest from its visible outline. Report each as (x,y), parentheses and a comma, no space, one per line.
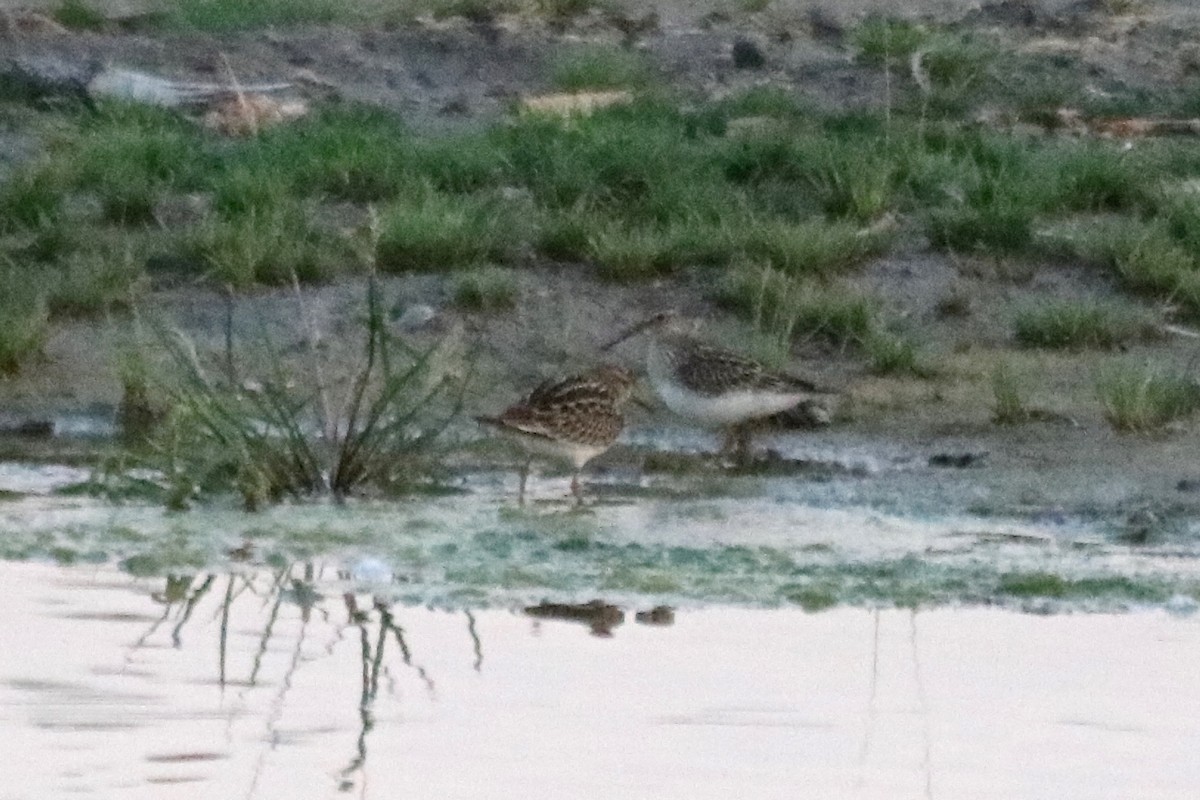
(659,615)
(956,460)
(748,55)
(416,317)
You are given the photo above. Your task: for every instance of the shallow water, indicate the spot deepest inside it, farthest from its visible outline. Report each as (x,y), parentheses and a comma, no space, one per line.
(266,685)
(690,540)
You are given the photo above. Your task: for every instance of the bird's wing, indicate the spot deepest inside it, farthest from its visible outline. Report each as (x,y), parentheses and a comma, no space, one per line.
(709,370)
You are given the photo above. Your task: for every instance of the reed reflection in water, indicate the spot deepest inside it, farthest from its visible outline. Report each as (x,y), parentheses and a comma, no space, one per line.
(290,682)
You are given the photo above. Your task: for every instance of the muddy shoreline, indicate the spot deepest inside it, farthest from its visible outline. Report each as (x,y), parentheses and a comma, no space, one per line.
(448,74)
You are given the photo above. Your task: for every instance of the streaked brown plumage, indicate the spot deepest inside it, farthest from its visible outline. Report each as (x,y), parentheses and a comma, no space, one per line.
(574,419)
(715,386)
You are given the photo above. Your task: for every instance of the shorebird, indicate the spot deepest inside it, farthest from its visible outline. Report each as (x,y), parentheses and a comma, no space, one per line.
(573,419)
(716,387)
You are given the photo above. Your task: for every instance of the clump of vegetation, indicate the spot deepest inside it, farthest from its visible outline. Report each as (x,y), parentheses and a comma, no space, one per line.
(474,10)
(1145,397)
(884,41)
(79,15)
(813,248)
(1048,584)
(95,281)
(1147,258)
(561,10)
(268,247)
(995,228)
(233,15)
(29,198)
(786,308)
(598,67)
(373,427)
(633,253)
(890,353)
(1007,407)
(486,289)
(1080,324)
(434,231)
(24,319)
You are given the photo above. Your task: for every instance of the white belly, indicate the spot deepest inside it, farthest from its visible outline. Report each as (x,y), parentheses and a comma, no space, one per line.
(714,411)
(574,453)
(726,409)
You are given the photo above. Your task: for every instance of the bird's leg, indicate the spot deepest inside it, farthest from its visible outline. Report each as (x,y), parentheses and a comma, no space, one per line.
(575,488)
(741,451)
(524,473)
(737,445)
(728,442)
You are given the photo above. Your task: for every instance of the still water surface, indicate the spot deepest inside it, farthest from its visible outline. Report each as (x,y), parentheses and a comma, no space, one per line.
(282,684)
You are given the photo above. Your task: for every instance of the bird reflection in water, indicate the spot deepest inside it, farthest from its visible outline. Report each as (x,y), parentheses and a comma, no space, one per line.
(600,617)
(294,602)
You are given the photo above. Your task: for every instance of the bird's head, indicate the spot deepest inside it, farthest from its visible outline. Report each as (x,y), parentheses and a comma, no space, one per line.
(666,322)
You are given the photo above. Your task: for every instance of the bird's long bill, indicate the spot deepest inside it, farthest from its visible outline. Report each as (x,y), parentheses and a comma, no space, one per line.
(629,333)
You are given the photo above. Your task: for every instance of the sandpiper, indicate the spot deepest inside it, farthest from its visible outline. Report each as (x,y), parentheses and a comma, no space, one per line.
(573,419)
(717,387)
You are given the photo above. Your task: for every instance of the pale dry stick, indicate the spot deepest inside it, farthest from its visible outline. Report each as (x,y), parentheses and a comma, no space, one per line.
(239,95)
(920,76)
(922,698)
(329,425)
(864,750)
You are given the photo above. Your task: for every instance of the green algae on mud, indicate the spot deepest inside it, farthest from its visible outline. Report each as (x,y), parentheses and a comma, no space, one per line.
(469,551)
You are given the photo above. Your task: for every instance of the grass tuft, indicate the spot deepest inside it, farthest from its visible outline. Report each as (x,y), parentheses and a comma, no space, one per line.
(486,289)
(29,199)
(893,354)
(366,426)
(442,232)
(814,249)
(1007,407)
(785,308)
(882,41)
(597,67)
(24,320)
(235,15)
(95,281)
(79,15)
(1145,397)
(265,247)
(1075,324)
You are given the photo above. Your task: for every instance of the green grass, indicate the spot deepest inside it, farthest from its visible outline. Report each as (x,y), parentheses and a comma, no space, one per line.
(1048,584)
(24,319)
(29,198)
(350,153)
(785,308)
(95,281)
(890,353)
(993,229)
(1098,176)
(1008,408)
(440,232)
(565,9)
(815,248)
(640,190)
(474,10)
(79,15)
(1147,258)
(234,15)
(600,67)
(1145,397)
(1076,324)
(486,289)
(371,424)
(268,247)
(881,40)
